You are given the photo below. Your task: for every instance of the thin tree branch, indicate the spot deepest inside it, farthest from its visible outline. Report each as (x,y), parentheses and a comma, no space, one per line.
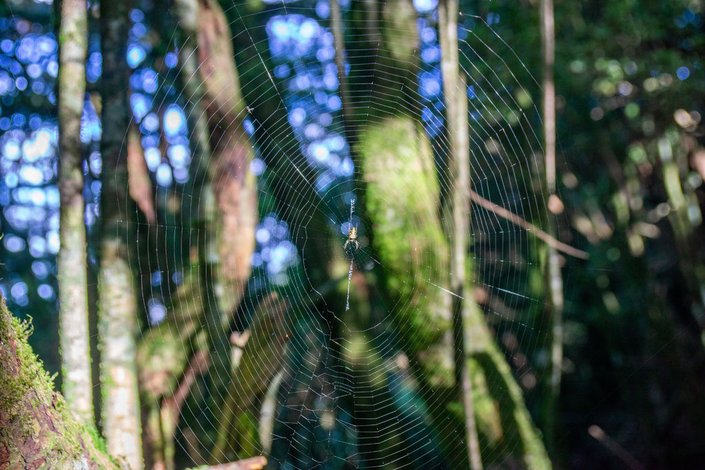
(613,446)
(253,463)
(198,365)
(555,278)
(528,226)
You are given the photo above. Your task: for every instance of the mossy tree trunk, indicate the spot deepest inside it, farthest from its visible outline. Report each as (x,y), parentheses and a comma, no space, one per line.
(401,194)
(37,430)
(506,432)
(71,262)
(395,167)
(118,323)
(402,201)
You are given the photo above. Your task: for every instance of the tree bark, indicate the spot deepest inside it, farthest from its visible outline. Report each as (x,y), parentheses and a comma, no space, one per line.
(71,261)
(117,324)
(37,428)
(225,187)
(222,177)
(555,278)
(458,158)
(234,186)
(336,25)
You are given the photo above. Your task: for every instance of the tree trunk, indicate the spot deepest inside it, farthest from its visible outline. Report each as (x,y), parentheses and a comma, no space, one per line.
(296,199)
(401,199)
(555,278)
(71,262)
(336,25)
(402,196)
(117,324)
(37,429)
(403,204)
(234,186)
(222,179)
(458,158)
(228,188)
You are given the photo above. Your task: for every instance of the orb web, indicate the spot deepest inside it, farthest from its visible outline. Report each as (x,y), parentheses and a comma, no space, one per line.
(336,384)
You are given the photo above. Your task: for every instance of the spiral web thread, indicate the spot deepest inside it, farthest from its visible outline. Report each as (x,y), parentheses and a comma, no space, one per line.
(330,409)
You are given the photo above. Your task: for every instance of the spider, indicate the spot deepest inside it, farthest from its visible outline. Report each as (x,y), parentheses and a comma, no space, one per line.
(352,239)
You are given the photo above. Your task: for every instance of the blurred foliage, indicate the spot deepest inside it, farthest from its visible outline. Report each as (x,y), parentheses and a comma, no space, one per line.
(630,82)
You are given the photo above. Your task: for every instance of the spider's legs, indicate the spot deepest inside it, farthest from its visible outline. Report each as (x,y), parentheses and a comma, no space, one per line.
(351,245)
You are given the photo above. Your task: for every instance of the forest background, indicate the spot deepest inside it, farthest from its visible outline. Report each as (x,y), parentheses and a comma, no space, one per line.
(524,286)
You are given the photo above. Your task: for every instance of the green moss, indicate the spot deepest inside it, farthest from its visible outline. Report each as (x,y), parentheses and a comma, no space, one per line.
(33,411)
(401,201)
(31,373)
(96,438)
(400,34)
(402,197)
(248,435)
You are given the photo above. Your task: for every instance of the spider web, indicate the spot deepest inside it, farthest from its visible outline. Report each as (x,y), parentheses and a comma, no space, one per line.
(330,409)
(343,393)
